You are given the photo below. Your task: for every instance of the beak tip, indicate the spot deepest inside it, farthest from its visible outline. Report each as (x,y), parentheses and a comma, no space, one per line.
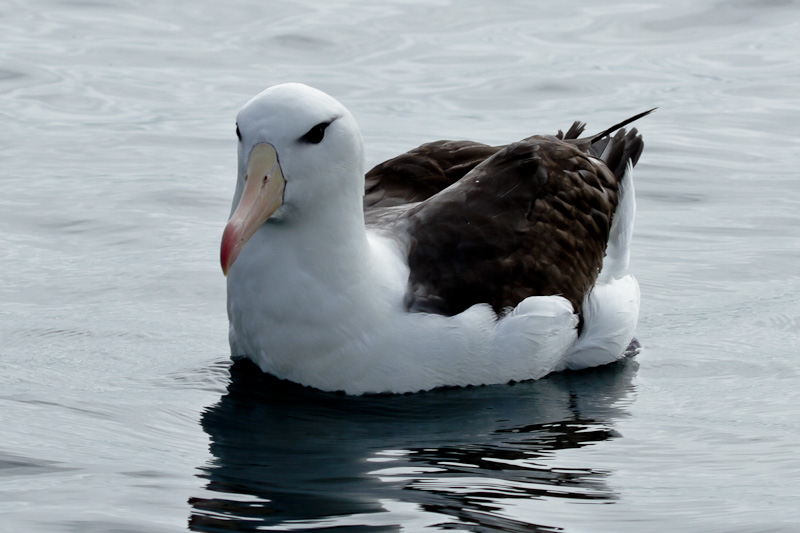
(228,250)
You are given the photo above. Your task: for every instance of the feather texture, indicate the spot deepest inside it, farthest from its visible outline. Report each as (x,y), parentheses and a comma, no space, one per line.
(456,263)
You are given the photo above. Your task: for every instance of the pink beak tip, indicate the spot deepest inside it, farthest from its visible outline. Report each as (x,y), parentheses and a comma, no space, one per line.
(228,250)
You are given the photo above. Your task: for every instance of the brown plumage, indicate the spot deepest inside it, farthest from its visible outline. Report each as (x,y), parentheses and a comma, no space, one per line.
(496,224)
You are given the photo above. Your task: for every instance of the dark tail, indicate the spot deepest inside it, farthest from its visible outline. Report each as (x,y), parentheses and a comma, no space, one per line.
(615,151)
(622,124)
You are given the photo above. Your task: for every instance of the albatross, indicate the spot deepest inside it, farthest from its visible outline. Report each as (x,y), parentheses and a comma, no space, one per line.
(454,264)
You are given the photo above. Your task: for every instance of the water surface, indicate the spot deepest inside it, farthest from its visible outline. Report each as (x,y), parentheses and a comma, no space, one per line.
(119,408)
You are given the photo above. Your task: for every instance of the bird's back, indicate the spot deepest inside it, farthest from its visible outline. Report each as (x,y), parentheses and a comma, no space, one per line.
(499,224)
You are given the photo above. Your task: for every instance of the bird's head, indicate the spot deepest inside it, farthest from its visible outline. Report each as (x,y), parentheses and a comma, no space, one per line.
(298,150)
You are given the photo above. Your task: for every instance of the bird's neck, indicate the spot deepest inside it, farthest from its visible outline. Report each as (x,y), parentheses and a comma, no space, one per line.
(323,246)
(331,235)
(298,278)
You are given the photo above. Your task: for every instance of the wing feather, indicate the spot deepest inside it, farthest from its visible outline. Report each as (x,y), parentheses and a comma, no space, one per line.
(485,224)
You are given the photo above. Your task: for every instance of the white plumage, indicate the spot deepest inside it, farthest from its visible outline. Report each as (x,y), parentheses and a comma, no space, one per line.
(316,298)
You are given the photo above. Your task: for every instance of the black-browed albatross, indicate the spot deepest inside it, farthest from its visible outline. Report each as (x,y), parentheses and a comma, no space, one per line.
(456,263)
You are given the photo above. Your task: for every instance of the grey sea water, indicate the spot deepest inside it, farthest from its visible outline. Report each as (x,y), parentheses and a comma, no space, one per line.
(118,409)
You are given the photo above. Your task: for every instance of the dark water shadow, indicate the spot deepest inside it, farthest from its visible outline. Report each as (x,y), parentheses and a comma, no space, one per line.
(298,459)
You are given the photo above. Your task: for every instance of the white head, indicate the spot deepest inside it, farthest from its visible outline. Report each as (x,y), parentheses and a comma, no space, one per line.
(300,151)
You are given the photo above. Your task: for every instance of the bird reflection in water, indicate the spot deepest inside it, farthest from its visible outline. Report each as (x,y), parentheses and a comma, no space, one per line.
(298,459)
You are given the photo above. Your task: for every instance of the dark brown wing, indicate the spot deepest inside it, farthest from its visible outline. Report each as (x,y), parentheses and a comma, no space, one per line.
(499,224)
(432,167)
(424,171)
(531,220)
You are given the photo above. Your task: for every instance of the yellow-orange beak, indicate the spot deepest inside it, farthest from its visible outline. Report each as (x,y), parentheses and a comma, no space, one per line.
(262,196)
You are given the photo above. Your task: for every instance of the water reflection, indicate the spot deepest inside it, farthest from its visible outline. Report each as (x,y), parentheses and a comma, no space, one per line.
(292,458)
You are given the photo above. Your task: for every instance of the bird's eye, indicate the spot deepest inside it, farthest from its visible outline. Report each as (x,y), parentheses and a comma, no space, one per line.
(238,133)
(315,134)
